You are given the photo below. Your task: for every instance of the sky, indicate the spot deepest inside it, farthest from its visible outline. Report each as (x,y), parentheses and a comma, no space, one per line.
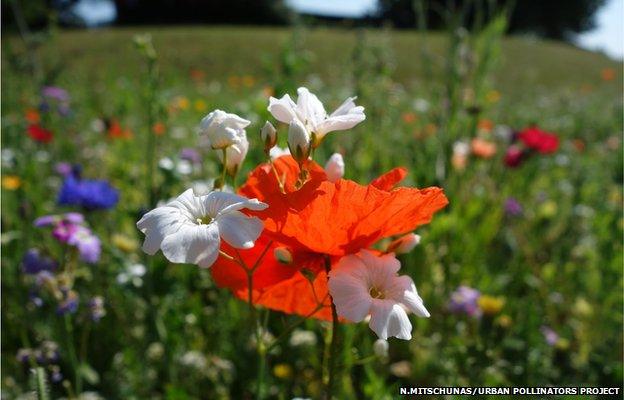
(609,33)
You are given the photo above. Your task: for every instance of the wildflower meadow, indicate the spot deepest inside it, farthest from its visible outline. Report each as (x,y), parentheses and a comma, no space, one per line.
(278,213)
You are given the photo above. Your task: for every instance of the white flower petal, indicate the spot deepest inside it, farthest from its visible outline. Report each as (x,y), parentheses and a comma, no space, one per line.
(349,290)
(239,230)
(193,244)
(282,109)
(309,108)
(157,224)
(414,302)
(339,123)
(389,319)
(216,203)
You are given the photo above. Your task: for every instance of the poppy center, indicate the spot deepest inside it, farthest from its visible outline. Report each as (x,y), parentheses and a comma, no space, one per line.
(376,294)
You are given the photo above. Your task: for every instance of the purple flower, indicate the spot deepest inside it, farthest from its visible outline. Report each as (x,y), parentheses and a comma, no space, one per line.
(56,376)
(90,194)
(63,168)
(69,228)
(464,300)
(512,207)
(191,155)
(48,220)
(44,277)
(69,304)
(550,335)
(87,243)
(56,93)
(24,355)
(96,305)
(33,263)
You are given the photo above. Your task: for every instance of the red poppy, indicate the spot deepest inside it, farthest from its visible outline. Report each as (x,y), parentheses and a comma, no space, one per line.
(539,140)
(39,134)
(115,131)
(514,156)
(319,223)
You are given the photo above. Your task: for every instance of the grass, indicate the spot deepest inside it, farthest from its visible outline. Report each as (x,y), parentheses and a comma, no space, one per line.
(173,334)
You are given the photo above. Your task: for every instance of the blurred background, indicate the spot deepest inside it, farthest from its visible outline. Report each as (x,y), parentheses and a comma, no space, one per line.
(514,108)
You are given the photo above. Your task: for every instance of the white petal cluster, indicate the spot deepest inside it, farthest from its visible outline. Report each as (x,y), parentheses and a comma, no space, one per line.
(189,229)
(366,284)
(309,111)
(222,129)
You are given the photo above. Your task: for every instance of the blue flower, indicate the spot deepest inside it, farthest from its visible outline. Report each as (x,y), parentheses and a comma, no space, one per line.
(90,194)
(69,304)
(33,262)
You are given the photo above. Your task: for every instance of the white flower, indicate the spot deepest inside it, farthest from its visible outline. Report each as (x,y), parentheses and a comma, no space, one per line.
(335,167)
(300,337)
(311,113)
(166,163)
(236,153)
(276,152)
(364,284)
(189,229)
(404,244)
(299,141)
(222,129)
(268,134)
(461,149)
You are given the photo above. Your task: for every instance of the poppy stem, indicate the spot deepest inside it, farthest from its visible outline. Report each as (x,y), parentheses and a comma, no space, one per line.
(333,345)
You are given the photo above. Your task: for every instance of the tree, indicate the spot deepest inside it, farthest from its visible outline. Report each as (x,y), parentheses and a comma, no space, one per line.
(555,19)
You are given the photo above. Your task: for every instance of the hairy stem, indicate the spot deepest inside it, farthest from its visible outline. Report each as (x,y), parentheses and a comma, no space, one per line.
(332,350)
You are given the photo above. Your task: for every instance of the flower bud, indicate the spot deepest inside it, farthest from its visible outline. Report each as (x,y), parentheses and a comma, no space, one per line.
(269,136)
(299,141)
(334,169)
(235,154)
(404,244)
(380,348)
(283,255)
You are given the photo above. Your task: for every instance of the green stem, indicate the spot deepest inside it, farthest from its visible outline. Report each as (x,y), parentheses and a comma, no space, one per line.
(223,173)
(42,385)
(150,149)
(69,337)
(332,350)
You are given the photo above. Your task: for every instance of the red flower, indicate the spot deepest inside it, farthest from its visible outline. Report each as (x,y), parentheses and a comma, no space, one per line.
(115,131)
(539,140)
(39,134)
(514,156)
(318,223)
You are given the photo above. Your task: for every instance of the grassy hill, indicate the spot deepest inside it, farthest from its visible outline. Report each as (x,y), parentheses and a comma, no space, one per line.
(225,51)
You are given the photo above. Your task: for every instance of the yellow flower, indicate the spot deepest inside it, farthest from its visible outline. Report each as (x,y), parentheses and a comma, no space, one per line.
(282,371)
(548,209)
(504,321)
(200,105)
(491,305)
(493,96)
(181,102)
(11,182)
(562,344)
(248,80)
(125,243)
